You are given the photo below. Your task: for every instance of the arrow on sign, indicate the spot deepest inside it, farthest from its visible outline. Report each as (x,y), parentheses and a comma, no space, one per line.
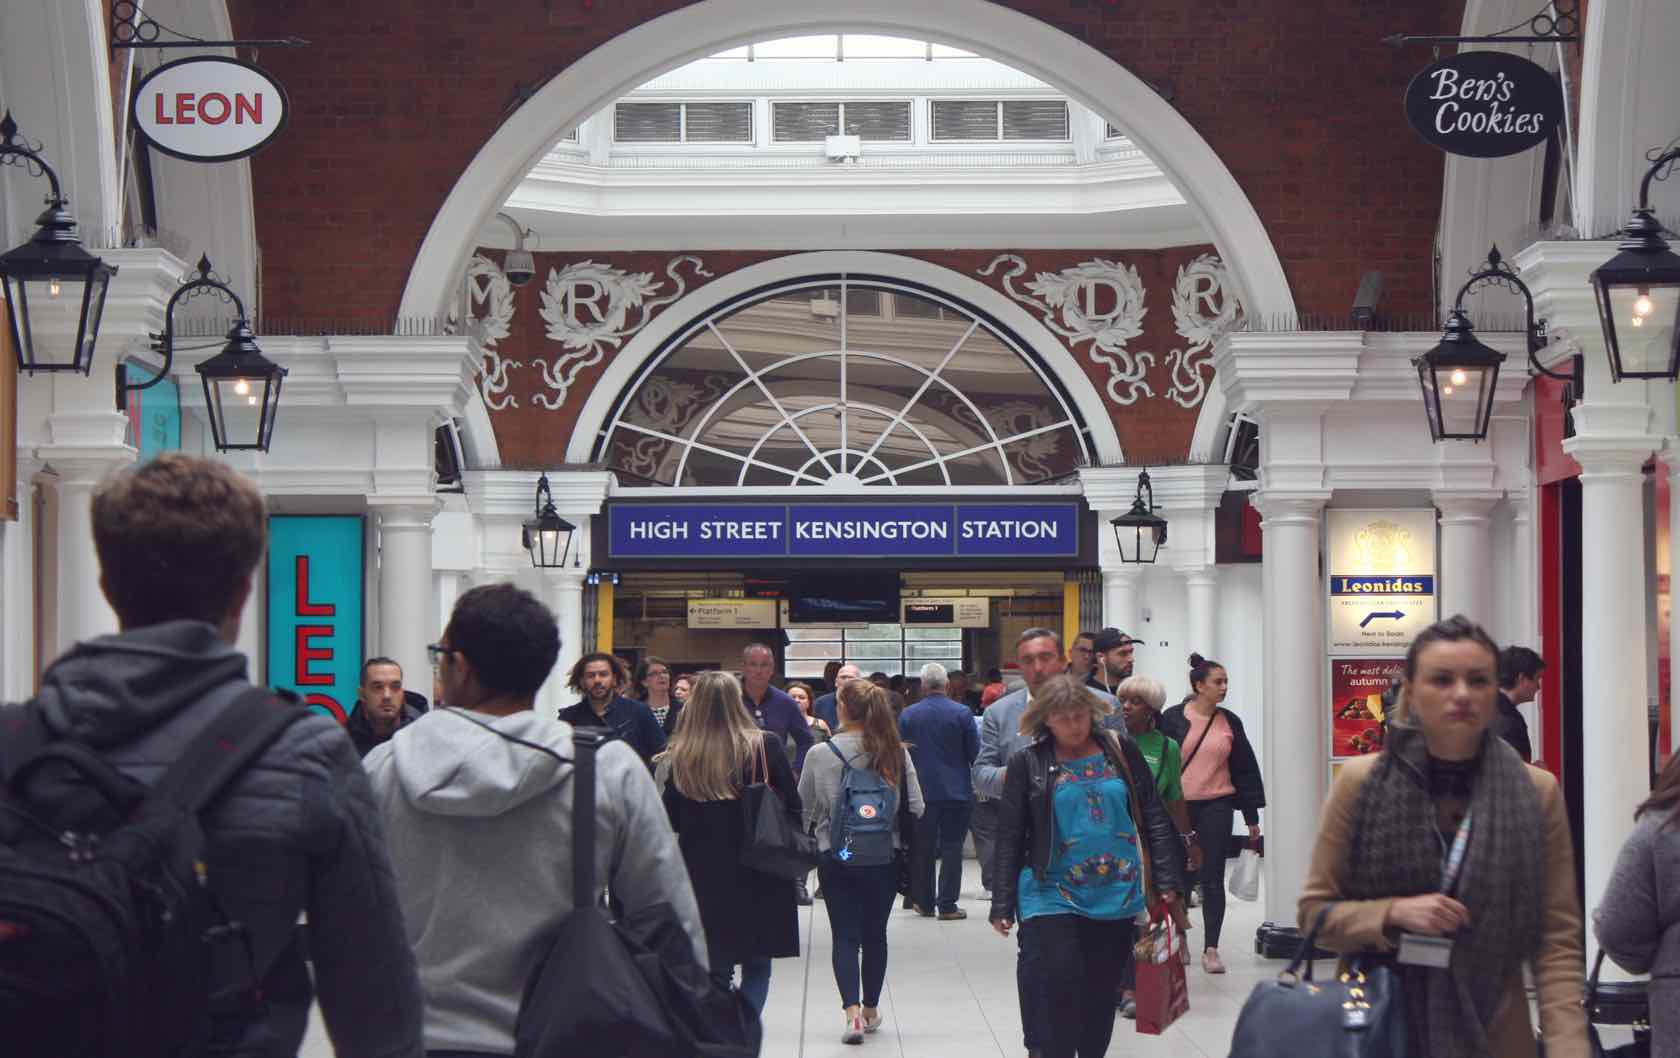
(1398,615)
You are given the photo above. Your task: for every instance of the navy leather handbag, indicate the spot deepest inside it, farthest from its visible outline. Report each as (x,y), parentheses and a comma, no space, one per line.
(1360,1013)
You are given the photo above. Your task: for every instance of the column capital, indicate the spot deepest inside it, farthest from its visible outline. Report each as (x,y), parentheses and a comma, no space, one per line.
(1201,576)
(87,465)
(1466,507)
(405,512)
(1299,507)
(1123,571)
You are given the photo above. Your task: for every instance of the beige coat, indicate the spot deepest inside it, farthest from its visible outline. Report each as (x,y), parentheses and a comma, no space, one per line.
(1357,925)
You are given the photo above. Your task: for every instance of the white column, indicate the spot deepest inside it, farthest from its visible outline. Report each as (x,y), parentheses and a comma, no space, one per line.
(83,612)
(405,583)
(1297,745)
(1120,597)
(17,590)
(1466,560)
(1525,616)
(1202,586)
(564,593)
(1613,640)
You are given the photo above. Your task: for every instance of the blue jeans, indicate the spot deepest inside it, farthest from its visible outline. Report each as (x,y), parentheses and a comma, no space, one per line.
(939,836)
(755,980)
(859,901)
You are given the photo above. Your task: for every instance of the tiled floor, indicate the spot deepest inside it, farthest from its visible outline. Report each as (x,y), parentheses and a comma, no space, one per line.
(951,992)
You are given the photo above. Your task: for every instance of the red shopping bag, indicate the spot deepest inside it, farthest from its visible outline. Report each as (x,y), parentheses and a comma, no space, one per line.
(1162,990)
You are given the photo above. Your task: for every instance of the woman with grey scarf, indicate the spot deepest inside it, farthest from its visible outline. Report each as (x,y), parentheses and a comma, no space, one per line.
(1450,855)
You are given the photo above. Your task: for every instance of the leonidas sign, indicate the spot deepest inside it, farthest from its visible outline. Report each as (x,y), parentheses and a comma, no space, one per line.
(209,109)
(1484,104)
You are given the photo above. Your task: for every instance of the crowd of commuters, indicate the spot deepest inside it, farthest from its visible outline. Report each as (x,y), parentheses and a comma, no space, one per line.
(436,860)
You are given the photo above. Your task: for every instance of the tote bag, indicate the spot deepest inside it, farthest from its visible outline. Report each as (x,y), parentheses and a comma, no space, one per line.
(771,842)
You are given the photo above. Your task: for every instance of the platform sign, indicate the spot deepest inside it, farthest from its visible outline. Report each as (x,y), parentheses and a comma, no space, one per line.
(732,613)
(1381,590)
(315,601)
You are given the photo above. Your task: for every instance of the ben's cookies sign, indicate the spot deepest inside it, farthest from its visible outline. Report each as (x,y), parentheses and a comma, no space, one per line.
(1484,104)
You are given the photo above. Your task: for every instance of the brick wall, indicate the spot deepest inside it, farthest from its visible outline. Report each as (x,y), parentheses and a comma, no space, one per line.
(1302,101)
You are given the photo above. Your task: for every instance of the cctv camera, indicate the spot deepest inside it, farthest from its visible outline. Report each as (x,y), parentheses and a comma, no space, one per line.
(519,267)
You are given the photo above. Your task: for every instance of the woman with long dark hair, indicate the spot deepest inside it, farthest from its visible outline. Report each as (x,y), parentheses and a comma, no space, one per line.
(858,890)
(1638,920)
(1448,852)
(1221,777)
(749,916)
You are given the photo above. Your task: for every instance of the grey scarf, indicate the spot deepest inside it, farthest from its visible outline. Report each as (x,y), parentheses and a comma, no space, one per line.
(1397,851)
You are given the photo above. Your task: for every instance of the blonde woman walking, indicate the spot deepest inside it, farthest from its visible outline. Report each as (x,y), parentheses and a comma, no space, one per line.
(749,916)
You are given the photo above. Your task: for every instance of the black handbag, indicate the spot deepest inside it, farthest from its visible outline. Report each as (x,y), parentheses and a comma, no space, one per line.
(1360,1013)
(1618,1003)
(772,843)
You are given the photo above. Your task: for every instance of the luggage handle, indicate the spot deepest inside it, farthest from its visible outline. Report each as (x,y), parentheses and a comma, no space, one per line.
(1308,944)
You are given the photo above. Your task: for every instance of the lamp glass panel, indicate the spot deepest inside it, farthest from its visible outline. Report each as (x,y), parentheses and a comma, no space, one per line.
(50,311)
(1463,393)
(1645,318)
(238,405)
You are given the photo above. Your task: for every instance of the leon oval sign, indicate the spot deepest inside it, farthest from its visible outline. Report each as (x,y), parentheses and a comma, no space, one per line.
(209,109)
(1484,104)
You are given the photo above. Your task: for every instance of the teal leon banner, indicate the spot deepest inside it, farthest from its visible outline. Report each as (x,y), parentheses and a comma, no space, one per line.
(315,601)
(154,413)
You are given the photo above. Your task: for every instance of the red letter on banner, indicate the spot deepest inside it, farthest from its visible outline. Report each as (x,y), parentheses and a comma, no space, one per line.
(307,654)
(305,608)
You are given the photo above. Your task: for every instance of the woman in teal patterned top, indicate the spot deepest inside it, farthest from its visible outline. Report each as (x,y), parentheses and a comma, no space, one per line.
(1072,865)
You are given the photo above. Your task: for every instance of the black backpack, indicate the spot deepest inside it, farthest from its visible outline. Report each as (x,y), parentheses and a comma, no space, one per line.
(111,941)
(625,989)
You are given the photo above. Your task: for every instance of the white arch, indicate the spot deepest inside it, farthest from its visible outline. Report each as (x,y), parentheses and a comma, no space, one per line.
(624,367)
(990,29)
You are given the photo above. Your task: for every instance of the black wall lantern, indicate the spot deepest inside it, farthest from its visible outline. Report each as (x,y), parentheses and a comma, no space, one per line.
(548,537)
(1139,533)
(1638,292)
(1459,375)
(54,288)
(241,385)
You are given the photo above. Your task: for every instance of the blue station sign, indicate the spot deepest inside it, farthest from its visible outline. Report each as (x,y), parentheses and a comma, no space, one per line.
(875,531)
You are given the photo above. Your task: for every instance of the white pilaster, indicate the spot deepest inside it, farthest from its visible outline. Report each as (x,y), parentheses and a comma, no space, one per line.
(1673,458)
(1202,586)
(1120,596)
(1296,738)
(1466,561)
(17,589)
(405,581)
(565,590)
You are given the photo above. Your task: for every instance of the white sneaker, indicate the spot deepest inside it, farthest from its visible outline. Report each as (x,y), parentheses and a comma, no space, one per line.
(871,1027)
(853,1032)
(985,894)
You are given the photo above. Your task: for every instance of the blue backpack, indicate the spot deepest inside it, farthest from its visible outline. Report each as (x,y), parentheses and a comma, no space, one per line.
(860,828)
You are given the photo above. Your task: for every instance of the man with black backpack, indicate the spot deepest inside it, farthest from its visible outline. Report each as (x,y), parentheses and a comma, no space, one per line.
(163,823)
(478,800)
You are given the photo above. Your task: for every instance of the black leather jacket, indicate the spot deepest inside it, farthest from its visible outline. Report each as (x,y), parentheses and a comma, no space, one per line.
(1026,819)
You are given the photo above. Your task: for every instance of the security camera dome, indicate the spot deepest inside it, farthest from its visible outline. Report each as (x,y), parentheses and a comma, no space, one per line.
(519,267)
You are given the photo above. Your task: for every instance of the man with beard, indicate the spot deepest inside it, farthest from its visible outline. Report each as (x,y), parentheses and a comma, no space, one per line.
(1112,660)
(598,677)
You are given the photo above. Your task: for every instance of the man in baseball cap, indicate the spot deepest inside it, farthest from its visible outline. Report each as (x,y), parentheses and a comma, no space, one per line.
(1111,660)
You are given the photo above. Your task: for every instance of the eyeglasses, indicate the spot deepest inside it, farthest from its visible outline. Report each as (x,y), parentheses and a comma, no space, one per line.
(436,652)
(651,673)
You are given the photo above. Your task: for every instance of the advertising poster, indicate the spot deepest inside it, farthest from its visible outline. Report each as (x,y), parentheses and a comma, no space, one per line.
(1356,688)
(1382,579)
(154,413)
(315,597)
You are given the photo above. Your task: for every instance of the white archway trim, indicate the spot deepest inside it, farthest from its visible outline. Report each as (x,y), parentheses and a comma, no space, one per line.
(1019,40)
(627,365)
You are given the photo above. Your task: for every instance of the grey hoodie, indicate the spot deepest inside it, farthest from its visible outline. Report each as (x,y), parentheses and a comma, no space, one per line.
(480,831)
(294,832)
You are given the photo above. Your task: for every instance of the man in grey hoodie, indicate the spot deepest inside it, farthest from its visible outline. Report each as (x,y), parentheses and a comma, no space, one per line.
(179,540)
(477,803)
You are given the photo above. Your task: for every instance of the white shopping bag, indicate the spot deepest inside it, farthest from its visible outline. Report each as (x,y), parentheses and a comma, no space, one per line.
(1244,883)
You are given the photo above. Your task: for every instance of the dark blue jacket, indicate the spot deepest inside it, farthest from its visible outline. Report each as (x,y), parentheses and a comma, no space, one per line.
(780,715)
(630,721)
(943,745)
(827,709)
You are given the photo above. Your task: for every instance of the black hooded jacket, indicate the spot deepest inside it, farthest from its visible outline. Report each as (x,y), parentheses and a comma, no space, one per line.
(296,832)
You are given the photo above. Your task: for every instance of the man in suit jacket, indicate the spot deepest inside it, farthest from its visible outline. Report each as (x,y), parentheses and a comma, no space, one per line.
(1040,654)
(943,745)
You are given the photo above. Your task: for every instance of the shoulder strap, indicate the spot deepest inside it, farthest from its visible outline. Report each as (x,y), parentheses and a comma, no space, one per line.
(233,740)
(1184,765)
(1134,808)
(584,742)
(845,765)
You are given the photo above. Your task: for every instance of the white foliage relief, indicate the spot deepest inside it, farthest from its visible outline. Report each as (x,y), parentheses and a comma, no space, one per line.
(1204,310)
(1073,304)
(488,288)
(591,307)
